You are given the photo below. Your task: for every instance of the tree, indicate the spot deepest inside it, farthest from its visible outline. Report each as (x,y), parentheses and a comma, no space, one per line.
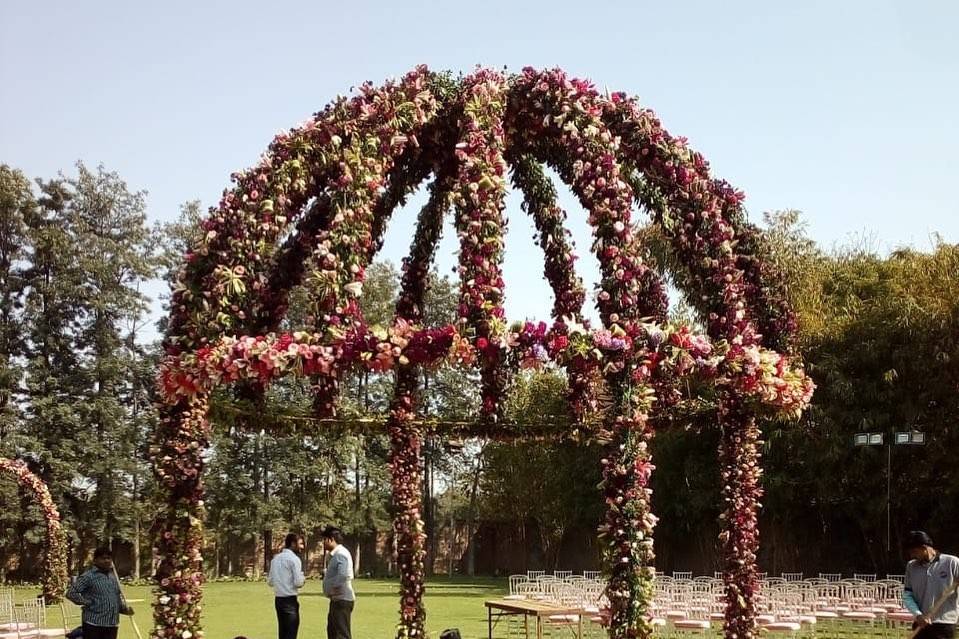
(549,488)
(51,432)
(16,204)
(109,222)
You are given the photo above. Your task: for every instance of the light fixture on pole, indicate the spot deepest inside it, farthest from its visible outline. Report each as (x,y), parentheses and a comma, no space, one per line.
(902,438)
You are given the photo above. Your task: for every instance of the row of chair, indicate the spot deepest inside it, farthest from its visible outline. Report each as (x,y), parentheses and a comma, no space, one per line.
(27,619)
(693,607)
(798,576)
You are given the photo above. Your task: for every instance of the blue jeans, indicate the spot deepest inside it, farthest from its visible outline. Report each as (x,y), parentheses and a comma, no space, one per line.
(338,621)
(288,617)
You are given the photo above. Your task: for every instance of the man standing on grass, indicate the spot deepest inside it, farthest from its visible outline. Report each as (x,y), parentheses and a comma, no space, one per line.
(286,577)
(929,575)
(98,592)
(338,584)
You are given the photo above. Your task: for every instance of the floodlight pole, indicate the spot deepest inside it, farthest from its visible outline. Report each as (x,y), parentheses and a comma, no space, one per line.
(888,499)
(912,437)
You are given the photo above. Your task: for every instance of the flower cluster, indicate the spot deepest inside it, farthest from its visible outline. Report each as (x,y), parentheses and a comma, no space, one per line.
(355,162)
(768,378)
(55,544)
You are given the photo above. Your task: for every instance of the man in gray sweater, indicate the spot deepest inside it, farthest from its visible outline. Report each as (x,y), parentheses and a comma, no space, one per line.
(929,575)
(338,584)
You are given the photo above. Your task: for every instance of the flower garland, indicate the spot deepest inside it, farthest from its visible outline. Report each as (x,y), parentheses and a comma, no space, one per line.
(539,200)
(342,150)
(478,198)
(356,161)
(767,381)
(569,295)
(55,544)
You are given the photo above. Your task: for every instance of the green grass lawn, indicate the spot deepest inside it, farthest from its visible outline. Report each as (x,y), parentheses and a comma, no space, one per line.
(245,608)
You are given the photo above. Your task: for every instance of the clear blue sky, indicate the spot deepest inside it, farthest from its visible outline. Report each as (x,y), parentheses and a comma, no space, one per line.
(844,110)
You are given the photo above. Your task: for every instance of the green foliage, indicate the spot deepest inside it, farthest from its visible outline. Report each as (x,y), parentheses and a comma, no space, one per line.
(552,488)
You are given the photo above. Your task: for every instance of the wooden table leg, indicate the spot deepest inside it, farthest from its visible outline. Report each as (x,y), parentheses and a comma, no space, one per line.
(489,616)
(539,627)
(526,625)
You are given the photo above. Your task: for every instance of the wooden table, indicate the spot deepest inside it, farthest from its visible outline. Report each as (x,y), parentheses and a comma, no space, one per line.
(539,610)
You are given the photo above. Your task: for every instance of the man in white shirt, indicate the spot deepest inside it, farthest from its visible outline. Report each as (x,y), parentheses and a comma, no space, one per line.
(286,578)
(338,584)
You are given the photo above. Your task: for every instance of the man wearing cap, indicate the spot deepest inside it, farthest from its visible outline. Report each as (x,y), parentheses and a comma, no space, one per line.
(929,574)
(338,584)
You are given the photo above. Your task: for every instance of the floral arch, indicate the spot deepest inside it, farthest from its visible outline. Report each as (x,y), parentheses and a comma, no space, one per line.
(314,211)
(55,547)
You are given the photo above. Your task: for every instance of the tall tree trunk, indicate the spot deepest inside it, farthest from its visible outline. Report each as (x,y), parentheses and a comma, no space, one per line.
(136,543)
(267,533)
(258,555)
(358,501)
(217,549)
(452,540)
(429,509)
(471,518)
(267,549)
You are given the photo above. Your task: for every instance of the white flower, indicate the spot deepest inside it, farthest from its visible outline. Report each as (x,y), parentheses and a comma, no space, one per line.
(354,288)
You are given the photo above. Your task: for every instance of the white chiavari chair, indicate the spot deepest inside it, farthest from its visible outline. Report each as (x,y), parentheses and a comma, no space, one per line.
(33,612)
(514,582)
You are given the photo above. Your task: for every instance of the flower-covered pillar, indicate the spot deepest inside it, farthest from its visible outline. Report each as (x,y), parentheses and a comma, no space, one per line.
(54,579)
(406,436)
(739,461)
(179,443)
(703,220)
(558,120)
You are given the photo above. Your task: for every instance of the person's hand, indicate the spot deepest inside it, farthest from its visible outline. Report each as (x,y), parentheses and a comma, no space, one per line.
(921,622)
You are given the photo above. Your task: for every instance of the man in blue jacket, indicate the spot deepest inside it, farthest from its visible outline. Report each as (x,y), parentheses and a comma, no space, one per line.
(338,584)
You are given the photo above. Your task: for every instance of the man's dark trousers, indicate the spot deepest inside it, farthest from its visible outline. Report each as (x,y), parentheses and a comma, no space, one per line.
(937,631)
(338,621)
(288,616)
(99,632)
